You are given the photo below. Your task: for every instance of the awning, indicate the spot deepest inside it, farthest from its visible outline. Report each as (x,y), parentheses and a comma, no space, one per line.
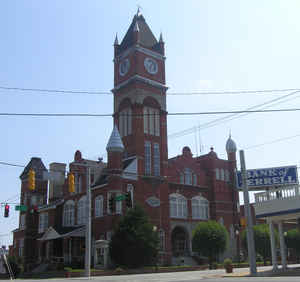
(52,234)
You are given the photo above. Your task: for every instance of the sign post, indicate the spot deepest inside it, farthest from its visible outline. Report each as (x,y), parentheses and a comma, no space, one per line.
(250,237)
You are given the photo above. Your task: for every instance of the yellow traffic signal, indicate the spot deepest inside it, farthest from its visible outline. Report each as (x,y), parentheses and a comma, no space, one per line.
(31,179)
(243,222)
(71,181)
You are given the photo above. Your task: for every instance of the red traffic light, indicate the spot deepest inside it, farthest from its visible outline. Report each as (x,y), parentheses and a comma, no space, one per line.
(6,210)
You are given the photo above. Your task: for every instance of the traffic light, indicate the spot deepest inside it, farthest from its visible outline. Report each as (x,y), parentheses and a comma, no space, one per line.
(71,180)
(6,210)
(128,200)
(31,179)
(243,222)
(112,203)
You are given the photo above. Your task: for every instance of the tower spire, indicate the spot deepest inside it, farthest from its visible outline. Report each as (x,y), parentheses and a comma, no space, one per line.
(116,40)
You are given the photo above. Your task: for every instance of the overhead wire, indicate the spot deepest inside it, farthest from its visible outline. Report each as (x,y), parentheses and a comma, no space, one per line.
(222,92)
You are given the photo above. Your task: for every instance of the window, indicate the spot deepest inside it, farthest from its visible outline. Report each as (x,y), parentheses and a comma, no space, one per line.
(125,120)
(178,206)
(226,175)
(147,158)
(217,174)
(99,206)
(200,208)
(181,178)
(222,176)
(151,121)
(188,177)
(68,213)
(23,221)
(161,235)
(156,159)
(21,247)
(43,222)
(194,179)
(33,200)
(78,183)
(81,210)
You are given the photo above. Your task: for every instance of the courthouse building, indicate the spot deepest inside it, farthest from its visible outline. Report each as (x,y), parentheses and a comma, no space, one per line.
(176,193)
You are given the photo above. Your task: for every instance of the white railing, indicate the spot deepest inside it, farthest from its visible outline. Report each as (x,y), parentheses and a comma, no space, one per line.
(277,194)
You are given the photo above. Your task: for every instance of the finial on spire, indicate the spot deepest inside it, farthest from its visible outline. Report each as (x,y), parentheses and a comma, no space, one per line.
(229,133)
(138,10)
(161,38)
(116,40)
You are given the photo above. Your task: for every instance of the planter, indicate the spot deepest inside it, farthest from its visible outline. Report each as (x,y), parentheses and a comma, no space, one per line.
(229,268)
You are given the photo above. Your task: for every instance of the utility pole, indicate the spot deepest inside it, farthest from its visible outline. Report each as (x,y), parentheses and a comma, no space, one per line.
(87,263)
(250,237)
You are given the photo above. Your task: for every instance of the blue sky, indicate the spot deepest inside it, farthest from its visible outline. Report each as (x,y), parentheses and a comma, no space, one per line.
(210,46)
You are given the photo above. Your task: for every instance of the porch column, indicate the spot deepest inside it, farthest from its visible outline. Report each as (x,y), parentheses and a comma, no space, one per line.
(273,246)
(282,246)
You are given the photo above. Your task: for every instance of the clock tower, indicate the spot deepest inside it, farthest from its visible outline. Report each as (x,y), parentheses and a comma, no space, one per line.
(140,97)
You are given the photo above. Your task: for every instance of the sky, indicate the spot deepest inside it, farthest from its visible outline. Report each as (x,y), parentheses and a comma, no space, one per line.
(210,46)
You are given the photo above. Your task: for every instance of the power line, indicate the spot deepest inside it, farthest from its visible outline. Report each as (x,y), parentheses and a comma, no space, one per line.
(232,116)
(223,92)
(169,114)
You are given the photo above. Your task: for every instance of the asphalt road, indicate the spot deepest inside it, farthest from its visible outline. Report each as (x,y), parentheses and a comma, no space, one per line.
(206,275)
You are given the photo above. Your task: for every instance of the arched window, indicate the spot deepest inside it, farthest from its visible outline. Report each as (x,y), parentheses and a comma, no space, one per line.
(99,206)
(178,206)
(151,121)
(68,213)
(200,208)
(81,210)
(125,119)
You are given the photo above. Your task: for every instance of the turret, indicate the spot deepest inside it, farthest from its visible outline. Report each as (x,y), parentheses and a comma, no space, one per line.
(231,149)
(114,150)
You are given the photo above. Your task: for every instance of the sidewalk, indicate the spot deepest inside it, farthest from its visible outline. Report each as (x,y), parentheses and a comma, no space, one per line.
(293,270)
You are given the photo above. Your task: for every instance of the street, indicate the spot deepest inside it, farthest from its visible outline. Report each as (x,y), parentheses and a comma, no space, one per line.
(206,275)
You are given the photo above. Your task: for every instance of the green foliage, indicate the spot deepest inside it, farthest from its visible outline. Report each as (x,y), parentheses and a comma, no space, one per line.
(227,262)
(134,243)
(292,240)
(210,239)
(262,243)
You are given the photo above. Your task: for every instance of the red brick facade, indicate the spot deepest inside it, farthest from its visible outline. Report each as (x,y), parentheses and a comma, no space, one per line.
(170,190)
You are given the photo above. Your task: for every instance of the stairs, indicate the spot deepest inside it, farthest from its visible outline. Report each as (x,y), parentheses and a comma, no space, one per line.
(41,268)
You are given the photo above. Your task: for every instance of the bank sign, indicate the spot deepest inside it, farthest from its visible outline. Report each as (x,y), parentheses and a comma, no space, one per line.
(267,177)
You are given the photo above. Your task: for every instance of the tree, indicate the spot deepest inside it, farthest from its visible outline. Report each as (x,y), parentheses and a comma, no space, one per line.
(210,239)
(135,242)
(262,241)
(292,240)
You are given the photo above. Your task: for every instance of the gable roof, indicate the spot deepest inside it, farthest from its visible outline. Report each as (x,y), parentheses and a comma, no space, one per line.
(37,165)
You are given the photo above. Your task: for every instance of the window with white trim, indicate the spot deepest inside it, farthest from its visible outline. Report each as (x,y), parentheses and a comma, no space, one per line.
(156,159)
(99,206)
(222,174)
(69,213)
(178,206)
(43,222)
(22,221)
(188,177)
(151,121)
(147,158)
(81,210)
(21,247)
(78,183)
(217,174)
(200,208)
(125,122)
(118,204)
(227,178)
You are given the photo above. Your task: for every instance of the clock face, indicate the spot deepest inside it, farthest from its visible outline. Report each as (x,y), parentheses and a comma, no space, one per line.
(151,65)
(124,67)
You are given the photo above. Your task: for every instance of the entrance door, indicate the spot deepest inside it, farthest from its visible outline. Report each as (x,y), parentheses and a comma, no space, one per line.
(179,242)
